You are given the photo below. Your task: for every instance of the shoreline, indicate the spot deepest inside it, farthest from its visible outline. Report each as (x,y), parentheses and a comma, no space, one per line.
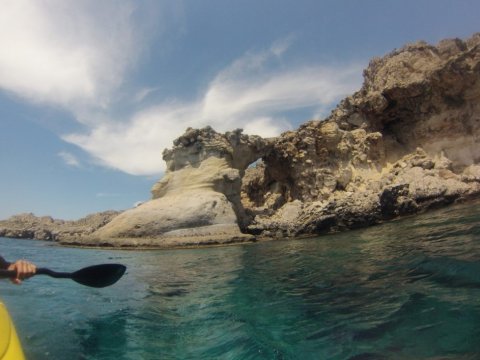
(253,240)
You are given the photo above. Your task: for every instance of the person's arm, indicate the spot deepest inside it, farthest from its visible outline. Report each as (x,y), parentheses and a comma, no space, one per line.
(24,269)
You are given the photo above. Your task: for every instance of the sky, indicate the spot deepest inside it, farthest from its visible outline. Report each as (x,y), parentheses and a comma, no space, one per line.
(92,92)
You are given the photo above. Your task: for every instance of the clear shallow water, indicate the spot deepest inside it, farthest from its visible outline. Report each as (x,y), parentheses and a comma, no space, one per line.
(408,289)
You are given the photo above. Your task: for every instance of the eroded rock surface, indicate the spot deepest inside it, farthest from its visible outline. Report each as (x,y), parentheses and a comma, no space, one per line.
(197,201)
(407,141)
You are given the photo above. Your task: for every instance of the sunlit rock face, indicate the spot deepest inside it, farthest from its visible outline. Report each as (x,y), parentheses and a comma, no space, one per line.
(198,199)
(204,160)
(407,141)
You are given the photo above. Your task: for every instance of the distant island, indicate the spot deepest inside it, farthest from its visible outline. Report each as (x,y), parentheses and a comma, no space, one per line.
(406,142)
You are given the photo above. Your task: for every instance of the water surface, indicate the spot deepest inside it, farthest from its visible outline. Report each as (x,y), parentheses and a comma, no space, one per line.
(408,289)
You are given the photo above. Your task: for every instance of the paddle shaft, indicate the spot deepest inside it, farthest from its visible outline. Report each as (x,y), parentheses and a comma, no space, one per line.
(40,271)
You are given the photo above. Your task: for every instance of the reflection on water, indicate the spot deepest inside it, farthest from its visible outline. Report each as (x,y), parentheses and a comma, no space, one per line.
(402,290)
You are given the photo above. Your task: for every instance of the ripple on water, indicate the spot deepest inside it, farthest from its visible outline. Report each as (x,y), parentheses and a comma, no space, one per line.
(408,289)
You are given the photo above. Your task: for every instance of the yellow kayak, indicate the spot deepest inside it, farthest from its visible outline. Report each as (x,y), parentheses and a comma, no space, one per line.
(10,348)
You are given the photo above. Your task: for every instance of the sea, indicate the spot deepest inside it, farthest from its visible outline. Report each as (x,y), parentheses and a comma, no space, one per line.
(405,289)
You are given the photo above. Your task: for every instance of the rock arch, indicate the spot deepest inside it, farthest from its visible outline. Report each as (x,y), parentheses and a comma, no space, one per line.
(198,200)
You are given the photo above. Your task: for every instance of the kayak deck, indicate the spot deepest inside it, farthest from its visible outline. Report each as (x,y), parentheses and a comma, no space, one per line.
(10,347)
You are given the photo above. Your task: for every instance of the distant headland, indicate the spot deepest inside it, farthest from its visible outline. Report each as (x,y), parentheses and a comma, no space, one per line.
(406,142)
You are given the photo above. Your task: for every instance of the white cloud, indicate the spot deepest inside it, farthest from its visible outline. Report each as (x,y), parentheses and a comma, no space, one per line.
(281,46)
(144,93)
(69,159)
(237,94)
(136,147)
(76,54)
(69,53)
(266,126)
(250,94)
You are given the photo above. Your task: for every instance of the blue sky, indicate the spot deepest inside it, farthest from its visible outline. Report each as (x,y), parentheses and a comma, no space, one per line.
(92,92)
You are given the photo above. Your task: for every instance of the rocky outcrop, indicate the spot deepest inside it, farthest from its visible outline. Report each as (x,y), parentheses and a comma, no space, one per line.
(29,226)
(197,201)
(407,141)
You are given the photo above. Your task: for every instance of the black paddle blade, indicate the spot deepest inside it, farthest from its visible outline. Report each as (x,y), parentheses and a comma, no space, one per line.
(99,275)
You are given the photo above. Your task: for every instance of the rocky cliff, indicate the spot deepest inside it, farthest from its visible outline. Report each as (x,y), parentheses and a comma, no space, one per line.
(407,141)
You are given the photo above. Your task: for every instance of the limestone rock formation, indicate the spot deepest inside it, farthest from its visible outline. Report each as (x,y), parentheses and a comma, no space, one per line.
(198,199)
(407,141)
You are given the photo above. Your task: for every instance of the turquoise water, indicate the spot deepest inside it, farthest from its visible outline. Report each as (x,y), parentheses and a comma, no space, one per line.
(409,289)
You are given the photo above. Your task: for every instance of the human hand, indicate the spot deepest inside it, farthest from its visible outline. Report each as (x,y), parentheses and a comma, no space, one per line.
(24,269)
